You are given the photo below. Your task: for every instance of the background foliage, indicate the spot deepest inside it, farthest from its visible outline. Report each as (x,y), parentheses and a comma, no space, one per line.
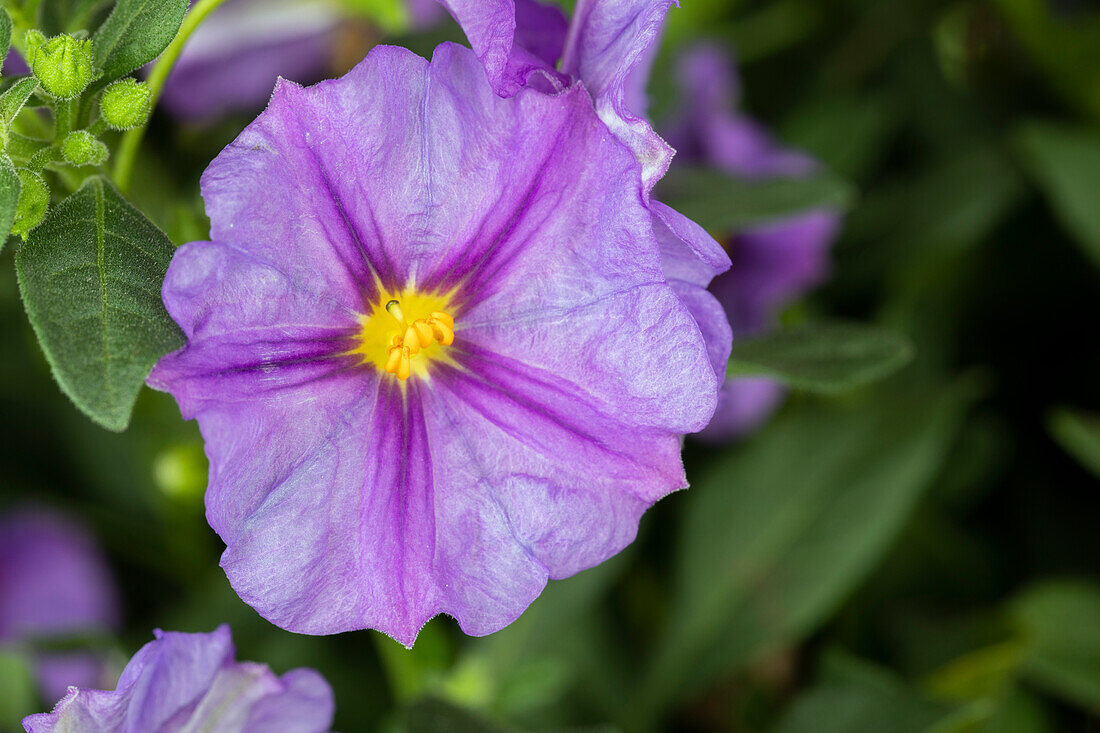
(914,554)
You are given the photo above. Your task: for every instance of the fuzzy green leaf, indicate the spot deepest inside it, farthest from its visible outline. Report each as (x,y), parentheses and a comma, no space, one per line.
(135,33)
(9,197)
(722,203)
(5,33)
(827,358)
(13,100)
(91,277)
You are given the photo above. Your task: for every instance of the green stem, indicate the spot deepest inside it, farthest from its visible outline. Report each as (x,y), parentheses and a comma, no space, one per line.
(97,128)
(131,141)
(63,112)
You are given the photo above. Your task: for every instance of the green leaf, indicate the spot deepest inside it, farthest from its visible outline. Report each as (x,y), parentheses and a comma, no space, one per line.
(828,358)
(1079,433)
(135,33)
(776,534)
(17,693)
(5,33)
(91,277)
(9,197)
(722,203)
(13,100)
(1060,623)
(862,698)
(1065,163)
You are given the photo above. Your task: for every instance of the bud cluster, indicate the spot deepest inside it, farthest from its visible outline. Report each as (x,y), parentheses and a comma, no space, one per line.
(63,70)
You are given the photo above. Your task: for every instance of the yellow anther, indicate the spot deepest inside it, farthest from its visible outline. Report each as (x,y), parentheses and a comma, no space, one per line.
(411,340)
(404,366)
(393,359)
(424,333)
(442,332)
(404,332)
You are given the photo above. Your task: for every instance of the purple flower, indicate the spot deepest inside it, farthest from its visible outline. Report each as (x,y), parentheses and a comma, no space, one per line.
(233,59)
(432,348)
(53,583)
(773,263)
(190,682)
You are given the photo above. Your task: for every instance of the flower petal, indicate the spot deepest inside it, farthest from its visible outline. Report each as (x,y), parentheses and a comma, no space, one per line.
(607,41)
(512,38)
(250,329)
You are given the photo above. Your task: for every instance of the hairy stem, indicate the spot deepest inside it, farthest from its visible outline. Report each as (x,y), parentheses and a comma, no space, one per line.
(131,141)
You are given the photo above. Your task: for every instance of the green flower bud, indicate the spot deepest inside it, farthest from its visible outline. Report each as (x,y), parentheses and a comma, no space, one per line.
(63,65)
(34,199)
(125,104)
(81,148)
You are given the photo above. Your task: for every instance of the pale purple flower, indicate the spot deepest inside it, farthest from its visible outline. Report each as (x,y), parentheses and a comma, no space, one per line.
(773,263)
(191,682)
(362,482)
(54,584)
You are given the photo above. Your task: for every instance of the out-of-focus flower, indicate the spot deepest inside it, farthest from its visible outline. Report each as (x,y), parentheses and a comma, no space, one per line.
(54,584)
(233,59)
(608,47)
(191,682)
(773,263)
(432,348)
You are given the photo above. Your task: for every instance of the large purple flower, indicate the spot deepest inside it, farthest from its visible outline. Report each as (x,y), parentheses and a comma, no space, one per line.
(773,263)
(191,682)
(431,347)
(54,583)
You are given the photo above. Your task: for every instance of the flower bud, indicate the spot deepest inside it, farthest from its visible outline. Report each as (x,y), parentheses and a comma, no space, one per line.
(63,65)
(82,148)
(125,104)
(34,199)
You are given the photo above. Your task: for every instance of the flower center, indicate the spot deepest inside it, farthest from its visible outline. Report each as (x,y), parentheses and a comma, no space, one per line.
(404,332)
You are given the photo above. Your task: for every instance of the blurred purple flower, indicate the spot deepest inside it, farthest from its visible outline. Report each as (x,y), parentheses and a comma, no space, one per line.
(190,682)
(233,59)
(773,264)
(366,471)
(54,583)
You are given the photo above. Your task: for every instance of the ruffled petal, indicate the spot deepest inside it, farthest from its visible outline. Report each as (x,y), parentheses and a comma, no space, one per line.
(191,682)
(251,329)
(512,38)
(534,478)
(607,41)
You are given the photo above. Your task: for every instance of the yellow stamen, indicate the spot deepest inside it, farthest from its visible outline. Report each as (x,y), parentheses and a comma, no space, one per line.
(393,359)
(424,333)
(404,367)
(405,331)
